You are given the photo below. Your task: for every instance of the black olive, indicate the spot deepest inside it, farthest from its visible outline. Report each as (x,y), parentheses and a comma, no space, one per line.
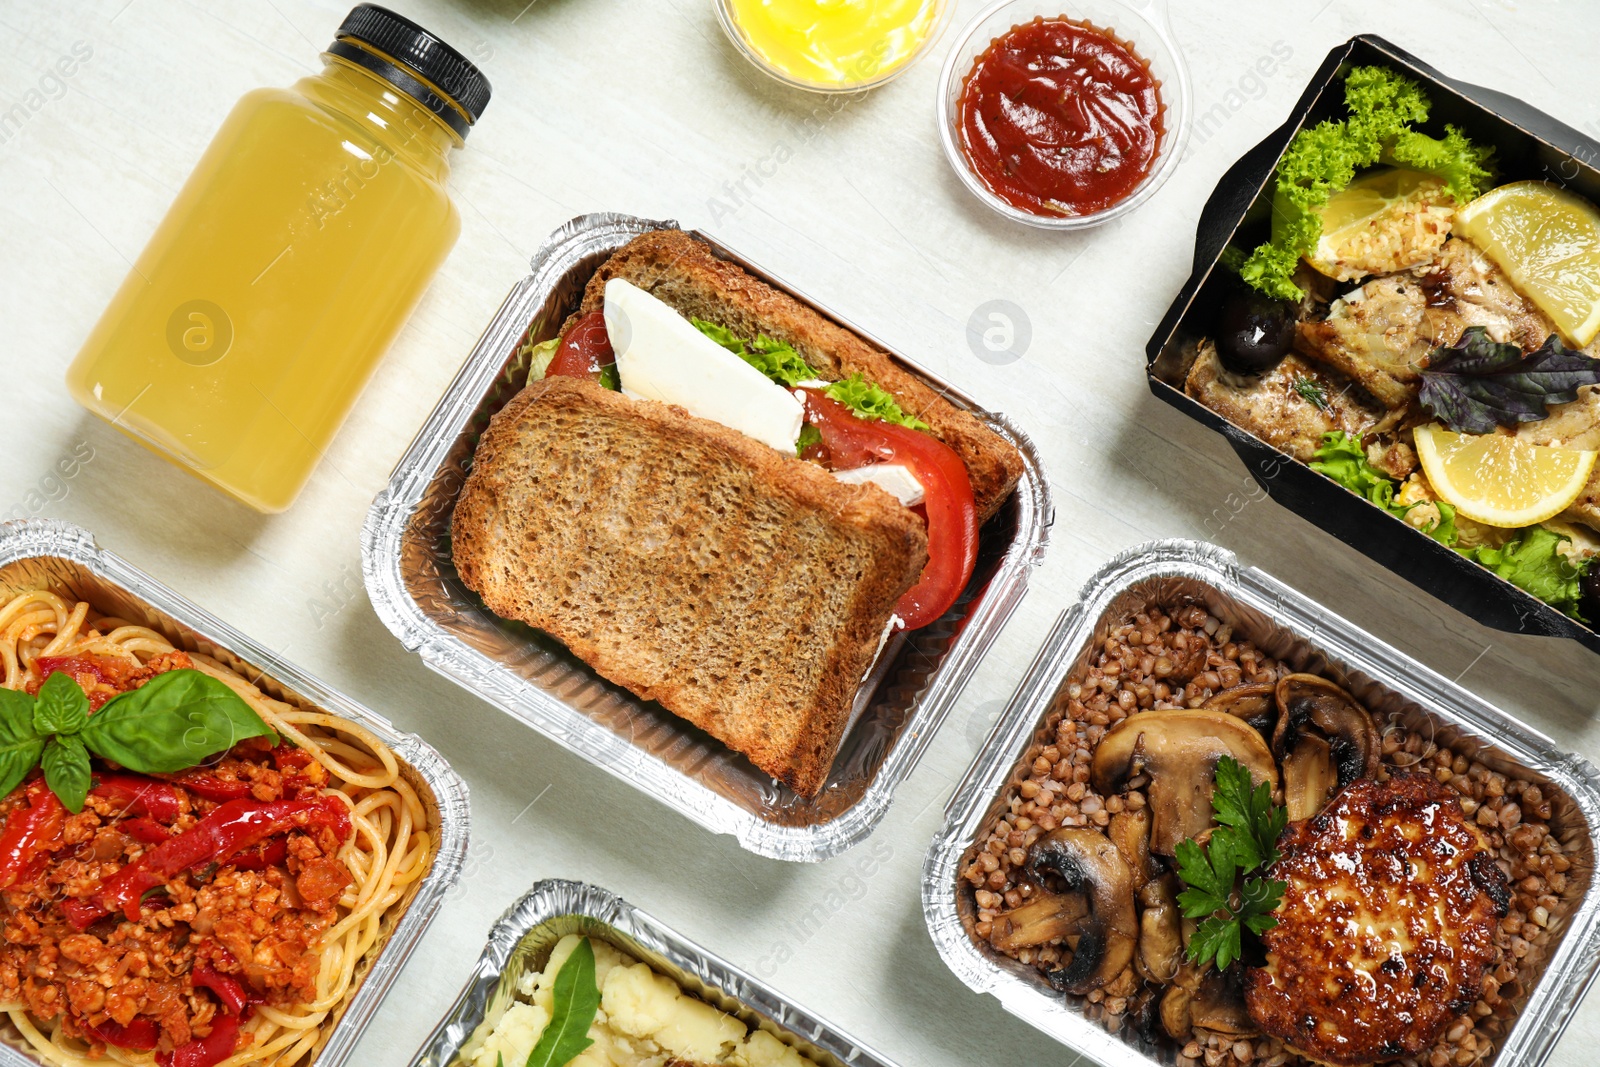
(1589,595)
(1255,332)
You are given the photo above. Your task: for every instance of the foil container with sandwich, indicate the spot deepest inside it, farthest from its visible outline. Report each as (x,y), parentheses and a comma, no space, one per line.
(1285,625)
(49,554)
(899,705)
(1529,145)
(523,937)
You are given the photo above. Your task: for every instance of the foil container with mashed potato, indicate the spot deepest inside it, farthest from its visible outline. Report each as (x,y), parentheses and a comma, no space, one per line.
(412,582)
(1398,691)
(63,558)
(521,942)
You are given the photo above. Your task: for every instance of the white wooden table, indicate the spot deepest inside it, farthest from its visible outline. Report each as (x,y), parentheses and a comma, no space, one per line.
(642,106)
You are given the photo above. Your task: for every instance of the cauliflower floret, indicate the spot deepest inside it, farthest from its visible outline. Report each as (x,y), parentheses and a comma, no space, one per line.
(514,1036)
(764,1050)
(539,986)
(644,1020)
(641,1003)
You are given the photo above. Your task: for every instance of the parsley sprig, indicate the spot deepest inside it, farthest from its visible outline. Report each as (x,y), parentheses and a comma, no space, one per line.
(1221,892)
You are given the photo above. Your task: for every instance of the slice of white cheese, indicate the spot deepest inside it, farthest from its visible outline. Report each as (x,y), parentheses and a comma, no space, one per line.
(661,356)
(893,478)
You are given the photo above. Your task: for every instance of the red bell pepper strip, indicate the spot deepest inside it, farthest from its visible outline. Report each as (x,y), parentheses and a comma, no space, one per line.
(30,832)
(140,1035)
(231,828)
(138,795)
(291,757)
(221,790)
(82,913)
(77,666)
(206,1051)
(228,989)
(269,853)
(146,830)
(210,786)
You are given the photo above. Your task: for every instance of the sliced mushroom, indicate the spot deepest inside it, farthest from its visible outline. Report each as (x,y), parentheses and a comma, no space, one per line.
(1219,1005)
(1313,710)
(1254,703)
(1208,1000)
(1047,917)
(1178,749)
(1160,930)
(1130,832)
(1308,777)
(1177,1003)
(1087,862)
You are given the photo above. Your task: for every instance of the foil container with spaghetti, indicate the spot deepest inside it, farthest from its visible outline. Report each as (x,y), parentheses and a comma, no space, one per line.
(414,588)
(522,939)
(63,558)
(1396,689)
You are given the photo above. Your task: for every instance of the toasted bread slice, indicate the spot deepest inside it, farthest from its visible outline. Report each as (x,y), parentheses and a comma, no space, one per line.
(743,590)
(684,273)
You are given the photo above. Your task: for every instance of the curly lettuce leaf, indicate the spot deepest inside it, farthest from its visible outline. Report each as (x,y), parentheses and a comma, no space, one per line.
(1323,159)
(1531,561)
(1465,168)
(1342,458)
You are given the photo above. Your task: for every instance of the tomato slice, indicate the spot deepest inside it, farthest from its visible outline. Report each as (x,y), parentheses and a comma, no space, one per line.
(585,351)
(952,513)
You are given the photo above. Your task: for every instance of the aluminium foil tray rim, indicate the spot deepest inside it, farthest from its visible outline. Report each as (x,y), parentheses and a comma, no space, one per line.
(35,538)
(395,507)
(1572,963)
(557,898)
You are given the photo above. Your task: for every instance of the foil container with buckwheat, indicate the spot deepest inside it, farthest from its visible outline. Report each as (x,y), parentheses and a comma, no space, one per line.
(899,704)
(1432,898)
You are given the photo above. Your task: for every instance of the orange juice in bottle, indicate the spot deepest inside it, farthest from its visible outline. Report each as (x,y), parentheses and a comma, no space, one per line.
(288,263)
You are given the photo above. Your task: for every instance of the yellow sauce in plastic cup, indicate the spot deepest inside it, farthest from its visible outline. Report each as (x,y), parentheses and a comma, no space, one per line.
(833,44)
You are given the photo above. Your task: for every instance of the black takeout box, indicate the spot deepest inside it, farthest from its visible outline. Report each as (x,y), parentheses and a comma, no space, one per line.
(1529,145)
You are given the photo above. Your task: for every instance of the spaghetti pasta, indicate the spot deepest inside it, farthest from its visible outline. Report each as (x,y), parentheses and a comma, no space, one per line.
(388,850)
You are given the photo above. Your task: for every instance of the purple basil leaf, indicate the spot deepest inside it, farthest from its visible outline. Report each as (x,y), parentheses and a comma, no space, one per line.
(1478,384)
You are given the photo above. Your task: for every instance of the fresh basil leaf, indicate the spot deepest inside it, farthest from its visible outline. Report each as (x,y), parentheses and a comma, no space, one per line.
(610,378)
(66,770)
(172,722)
(1478,384)
(576,998)
(20,744)
(62,706)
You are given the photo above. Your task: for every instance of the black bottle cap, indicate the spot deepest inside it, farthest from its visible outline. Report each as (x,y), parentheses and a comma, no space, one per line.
(413,51)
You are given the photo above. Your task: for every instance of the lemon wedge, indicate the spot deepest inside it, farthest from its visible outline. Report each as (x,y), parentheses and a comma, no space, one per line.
(1548,241)
(1500,480)
(1385,221)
